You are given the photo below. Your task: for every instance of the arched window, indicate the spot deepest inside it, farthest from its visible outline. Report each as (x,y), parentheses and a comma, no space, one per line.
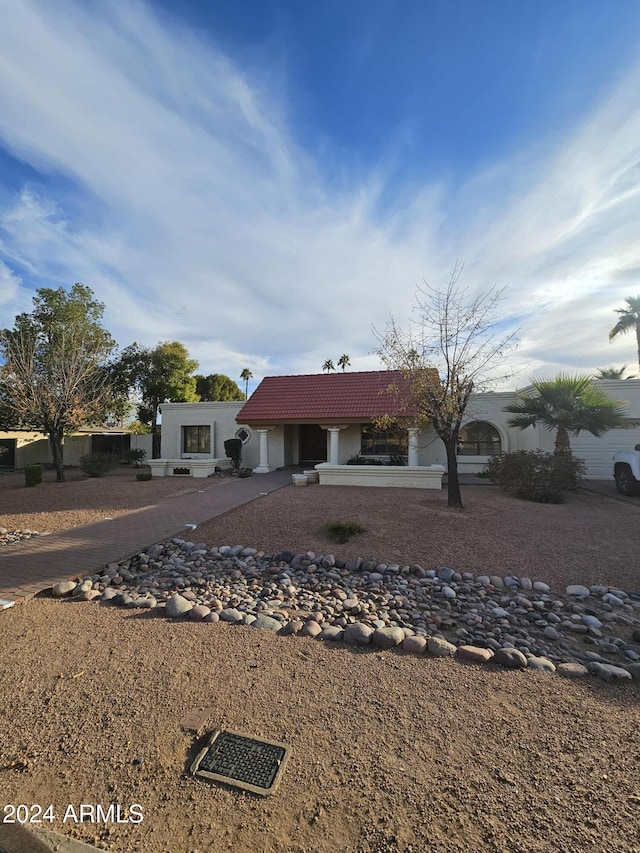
(479,438)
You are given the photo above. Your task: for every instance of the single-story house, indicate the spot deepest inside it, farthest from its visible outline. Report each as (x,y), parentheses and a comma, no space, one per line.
(323,420)
(19,448)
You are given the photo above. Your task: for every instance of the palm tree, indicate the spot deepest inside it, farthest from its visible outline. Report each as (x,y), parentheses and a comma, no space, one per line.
(568,404)
(246,375)
(343,361)
(613,373)
(328,365)
(629,319)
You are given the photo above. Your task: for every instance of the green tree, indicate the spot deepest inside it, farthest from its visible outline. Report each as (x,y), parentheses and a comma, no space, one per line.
(328,365)
(138,428)
(566,405)
(613,373)
(629,320)
(163,374)
(56,374)
(449,351)
(217,387)
(344,361)
(246,375)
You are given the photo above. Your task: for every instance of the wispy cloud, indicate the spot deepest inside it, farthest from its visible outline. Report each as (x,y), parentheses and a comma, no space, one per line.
(171,185)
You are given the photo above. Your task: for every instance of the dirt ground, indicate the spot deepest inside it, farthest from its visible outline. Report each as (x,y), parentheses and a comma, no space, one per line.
(388,752)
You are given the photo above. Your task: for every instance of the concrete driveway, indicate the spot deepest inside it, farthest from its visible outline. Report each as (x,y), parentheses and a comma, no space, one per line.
(608,489)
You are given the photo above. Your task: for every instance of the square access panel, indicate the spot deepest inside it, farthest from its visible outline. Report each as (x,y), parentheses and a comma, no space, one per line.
(243,761)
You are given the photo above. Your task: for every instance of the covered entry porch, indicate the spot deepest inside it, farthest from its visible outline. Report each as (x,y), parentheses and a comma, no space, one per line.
(310,444)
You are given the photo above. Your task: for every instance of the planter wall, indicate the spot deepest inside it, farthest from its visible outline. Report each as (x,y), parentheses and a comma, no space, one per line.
(386,476)
(186,467)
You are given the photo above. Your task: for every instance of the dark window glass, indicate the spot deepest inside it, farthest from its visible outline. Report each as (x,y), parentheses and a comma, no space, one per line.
(386,442)
(196,439)
(479,438)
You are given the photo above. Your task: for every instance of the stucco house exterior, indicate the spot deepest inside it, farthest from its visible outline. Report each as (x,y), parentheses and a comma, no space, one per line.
(19,448)
(321,420)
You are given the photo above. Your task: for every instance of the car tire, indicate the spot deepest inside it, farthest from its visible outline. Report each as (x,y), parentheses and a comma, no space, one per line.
(626,483)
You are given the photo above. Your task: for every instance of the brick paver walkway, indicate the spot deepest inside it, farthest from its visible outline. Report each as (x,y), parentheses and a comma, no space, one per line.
(33,565)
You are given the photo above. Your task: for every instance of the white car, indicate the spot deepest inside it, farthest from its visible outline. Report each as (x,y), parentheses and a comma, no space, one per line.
(626,470)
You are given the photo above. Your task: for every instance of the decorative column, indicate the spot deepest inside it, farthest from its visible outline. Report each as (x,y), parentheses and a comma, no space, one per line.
(263,467)
(412,461)
(334,445)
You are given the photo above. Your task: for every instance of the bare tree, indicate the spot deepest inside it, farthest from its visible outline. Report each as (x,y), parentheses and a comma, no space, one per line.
(55,375)
(452,348)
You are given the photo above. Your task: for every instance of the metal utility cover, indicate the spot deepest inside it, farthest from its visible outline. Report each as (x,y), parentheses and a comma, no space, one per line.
(251,763)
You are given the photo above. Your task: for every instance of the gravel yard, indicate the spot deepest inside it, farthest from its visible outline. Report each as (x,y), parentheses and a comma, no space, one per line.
(389,752)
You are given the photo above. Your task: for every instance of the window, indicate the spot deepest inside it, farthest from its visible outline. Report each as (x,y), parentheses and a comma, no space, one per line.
(479,438)
(196,439)
(383,442)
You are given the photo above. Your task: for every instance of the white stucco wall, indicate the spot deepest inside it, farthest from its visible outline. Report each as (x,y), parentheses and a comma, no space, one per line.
(350,441)
(220,417)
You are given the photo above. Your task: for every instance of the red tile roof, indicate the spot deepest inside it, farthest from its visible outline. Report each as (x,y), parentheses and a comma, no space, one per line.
(322,397)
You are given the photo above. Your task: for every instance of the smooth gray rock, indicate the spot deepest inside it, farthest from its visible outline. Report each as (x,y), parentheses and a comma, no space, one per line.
(108,594)
(63,588)
(578,591)
(541,664)
(388,637)
(178,606)
(230,614)
(572,670)
(440,648)
(446,574)
(332,633)
(634,670)
(358,634)
(266,623)
(608,672)
(511,658)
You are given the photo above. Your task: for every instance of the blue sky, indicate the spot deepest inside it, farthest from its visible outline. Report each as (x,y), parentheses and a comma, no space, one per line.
(267,181)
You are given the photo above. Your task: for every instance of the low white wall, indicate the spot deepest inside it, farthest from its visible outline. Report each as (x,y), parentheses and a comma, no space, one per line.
(386,476)
(198,468)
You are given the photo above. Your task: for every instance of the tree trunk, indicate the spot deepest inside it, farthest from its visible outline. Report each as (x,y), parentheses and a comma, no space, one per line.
(454,498)
(638,341)
(563,446)
(55,442)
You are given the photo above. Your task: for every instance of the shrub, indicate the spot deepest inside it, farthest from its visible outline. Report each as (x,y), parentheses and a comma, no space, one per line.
(136,457)
(144,475)
(535,475)
(233,449)
(32,475)
(98,464)
(397,459)
(245,472)
(394,459)
(357,459)
(340,531)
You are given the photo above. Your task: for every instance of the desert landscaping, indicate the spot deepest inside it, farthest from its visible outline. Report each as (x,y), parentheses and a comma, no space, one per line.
(389,751)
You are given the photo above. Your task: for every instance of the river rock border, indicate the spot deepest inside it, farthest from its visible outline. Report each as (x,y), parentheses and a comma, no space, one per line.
(514,622)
